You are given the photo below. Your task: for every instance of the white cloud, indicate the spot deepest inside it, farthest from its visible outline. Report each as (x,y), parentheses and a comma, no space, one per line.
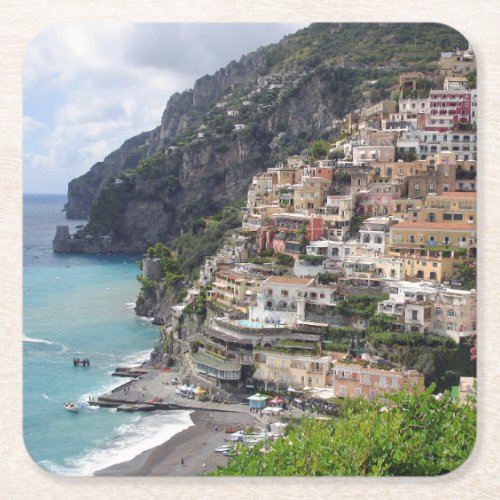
(89,87)
(32,125)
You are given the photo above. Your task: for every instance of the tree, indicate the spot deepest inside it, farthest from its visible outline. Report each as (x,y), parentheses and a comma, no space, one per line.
(319,149)
(406,434)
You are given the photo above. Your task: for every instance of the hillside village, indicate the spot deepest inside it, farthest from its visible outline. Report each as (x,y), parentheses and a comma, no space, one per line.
(364,245)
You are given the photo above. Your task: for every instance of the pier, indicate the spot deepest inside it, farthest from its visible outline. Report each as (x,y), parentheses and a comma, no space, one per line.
(81,362)
(152,389)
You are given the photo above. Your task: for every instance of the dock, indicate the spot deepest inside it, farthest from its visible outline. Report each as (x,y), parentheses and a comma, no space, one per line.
(152,389)
(81,362)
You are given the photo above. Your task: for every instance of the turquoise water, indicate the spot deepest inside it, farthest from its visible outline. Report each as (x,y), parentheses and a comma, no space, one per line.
(80,306)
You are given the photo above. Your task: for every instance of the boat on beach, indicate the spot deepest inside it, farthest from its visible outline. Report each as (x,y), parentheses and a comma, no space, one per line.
(73,407)
(222,448)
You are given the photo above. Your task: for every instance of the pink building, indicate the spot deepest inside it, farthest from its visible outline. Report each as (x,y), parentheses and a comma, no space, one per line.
(359,379)
(448,107)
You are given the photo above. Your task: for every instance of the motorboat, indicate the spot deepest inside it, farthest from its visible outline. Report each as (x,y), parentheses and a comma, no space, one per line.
(231,453)
(73,407)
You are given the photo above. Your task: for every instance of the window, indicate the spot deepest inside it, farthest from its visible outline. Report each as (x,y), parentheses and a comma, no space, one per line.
(457,216)
(451,313)
(416,187)
(450,326)
(366,379)
(383,381)
(447,216)
(394,382)
(414,315)
(357,391)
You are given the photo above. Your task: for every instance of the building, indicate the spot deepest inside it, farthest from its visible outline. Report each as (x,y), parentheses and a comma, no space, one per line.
(283,299)
(360,379)
(457,63)
(374,232)
(152,268)
(425,143)
(281,370)
(450,107)
(466,389)
(451,207)
(425,307)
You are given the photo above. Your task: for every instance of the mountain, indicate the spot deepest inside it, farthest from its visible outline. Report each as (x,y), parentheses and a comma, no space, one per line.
(248,115)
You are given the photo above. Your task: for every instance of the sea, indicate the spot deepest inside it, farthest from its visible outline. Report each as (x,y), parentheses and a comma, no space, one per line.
(78,305)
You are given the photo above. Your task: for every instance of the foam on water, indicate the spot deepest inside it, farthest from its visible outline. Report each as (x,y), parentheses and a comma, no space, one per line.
(37,341)
(127,442)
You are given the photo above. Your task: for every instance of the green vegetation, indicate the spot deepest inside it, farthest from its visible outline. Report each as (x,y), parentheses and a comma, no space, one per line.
(315,260)
(404,435)
(107,215)
(363,306)
(199,306)
(192,247)
(325,278)
(319,149)
(413,339)
(467,274)
(186,253)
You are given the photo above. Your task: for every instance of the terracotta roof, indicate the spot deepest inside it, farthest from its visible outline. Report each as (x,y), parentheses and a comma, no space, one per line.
(288,280)
(457,194)
(435,225)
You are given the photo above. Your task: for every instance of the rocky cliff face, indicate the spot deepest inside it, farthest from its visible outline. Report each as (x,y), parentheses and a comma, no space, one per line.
(286,95)
(83,191)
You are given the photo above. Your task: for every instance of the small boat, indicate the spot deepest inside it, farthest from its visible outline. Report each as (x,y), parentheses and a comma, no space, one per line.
(231,453)
(71,406)
(222,448)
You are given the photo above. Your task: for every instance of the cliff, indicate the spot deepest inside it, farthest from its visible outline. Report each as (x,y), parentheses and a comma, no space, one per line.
(214,137)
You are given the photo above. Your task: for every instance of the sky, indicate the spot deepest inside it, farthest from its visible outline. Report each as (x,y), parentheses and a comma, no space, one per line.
(89,87)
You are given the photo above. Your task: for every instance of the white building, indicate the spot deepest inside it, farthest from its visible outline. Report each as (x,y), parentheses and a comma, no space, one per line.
(374,232)
(283,299)
(429,308)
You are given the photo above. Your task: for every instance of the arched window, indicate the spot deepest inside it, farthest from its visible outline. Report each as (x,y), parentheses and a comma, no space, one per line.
(439,311)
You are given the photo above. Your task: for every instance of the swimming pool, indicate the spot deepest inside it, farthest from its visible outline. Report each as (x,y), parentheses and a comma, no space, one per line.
(255,324)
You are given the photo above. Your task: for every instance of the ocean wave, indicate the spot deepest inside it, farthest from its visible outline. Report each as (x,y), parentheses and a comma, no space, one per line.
(130,305)
(136,358)
(38,341)
(41,342)
(129,441)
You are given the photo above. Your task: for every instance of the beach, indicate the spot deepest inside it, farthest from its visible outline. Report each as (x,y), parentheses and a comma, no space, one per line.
(194,445)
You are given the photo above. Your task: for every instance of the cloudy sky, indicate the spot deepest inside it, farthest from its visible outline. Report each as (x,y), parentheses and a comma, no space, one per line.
(89,87)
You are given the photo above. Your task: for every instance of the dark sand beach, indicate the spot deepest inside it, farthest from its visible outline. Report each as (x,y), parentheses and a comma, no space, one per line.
(195,446)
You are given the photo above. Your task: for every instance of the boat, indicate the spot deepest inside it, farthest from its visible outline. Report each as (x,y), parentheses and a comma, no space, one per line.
(231,453)
(222,448)
(73,407)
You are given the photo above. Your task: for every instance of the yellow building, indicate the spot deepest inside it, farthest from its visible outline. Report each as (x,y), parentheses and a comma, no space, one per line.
(234,290)
(451,207)
(290,370)
(311,193)
(432,250)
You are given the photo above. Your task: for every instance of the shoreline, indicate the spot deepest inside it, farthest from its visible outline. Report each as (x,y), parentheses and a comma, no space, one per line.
(194,445)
